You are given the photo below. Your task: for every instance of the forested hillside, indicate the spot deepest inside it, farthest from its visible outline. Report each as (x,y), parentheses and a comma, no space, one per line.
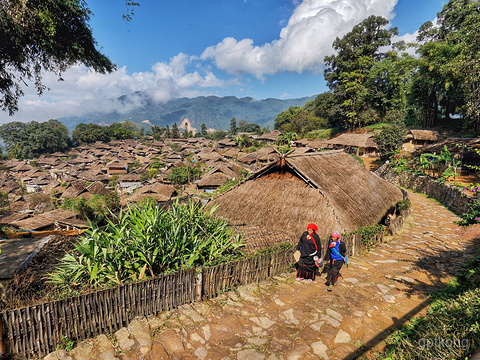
(215,112)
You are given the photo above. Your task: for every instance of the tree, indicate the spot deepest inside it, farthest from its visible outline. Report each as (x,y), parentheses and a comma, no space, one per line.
(203,130)
(89,133)
(450,73)
(29,140)
(175,131)
(285,117)
(157,132)
(248,127)
(390,138)
(348,72)
(43,35)
(233,126)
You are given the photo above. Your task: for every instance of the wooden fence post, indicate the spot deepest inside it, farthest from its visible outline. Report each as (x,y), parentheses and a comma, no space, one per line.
(198,285)
(3,348)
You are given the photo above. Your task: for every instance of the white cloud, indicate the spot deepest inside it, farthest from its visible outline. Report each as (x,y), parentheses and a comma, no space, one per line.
(303,43)
(301,47)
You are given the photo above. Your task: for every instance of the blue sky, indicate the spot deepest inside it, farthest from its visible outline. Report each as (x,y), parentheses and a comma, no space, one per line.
(185,48)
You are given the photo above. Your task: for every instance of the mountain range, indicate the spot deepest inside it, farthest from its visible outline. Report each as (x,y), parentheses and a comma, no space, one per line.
(215,112)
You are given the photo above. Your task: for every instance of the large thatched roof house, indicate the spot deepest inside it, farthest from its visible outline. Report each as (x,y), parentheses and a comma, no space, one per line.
(331,189)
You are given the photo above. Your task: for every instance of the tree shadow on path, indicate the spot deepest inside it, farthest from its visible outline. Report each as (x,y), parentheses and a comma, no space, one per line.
(438,265)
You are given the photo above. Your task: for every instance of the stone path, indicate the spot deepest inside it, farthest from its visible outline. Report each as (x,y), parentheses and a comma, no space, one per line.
(285,319)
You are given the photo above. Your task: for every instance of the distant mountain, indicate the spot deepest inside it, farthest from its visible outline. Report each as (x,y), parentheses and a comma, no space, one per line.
(215,112)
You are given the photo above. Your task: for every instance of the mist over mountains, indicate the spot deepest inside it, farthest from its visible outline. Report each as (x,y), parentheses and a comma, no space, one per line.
(215,112)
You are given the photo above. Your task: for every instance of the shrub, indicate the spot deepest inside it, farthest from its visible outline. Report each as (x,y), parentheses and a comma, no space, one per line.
(404,204)
(471,216)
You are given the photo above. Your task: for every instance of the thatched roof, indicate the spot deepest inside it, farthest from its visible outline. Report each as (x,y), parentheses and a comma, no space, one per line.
(44,220)
(331,189)
(271,136)
(355,140)
(425,135)
(157,191)
(216,177)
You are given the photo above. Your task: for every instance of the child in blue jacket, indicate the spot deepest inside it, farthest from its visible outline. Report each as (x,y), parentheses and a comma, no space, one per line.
(336,254)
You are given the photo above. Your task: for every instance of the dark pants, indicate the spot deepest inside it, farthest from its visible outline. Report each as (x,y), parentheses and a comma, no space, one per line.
(332,276)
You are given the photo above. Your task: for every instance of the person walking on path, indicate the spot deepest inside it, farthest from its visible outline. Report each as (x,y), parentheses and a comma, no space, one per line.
(310,249)
(336,255)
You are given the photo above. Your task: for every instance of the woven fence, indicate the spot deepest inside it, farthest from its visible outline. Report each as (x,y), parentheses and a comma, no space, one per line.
(35,331)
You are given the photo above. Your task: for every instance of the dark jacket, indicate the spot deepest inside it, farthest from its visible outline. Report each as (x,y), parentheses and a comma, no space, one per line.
(307,247)
(342,249)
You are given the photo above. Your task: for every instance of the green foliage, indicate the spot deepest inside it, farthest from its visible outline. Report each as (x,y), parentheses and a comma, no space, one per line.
(89,133)
(450,328)
(96,209)
(364,80)
(184,174)
(40,36)
(233,126)
(283,149)
(32,139)
(146,241)
(321,133)
(390,138)
(403,204)
(175,131)
(243,141)
(369,232)
(244,126)
(448,75)
(66,344)
(472,215)
(286,116)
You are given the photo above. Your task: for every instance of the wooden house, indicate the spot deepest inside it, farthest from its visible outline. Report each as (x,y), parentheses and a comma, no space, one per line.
(416,139)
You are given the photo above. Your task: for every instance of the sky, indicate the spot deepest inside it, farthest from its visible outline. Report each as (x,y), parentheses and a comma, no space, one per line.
(189,48)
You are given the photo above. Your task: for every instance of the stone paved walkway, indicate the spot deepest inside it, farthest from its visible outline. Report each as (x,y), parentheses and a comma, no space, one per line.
(286,319)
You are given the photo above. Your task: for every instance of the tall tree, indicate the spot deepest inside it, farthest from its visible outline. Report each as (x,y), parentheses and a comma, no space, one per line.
(203,130)
(30,140)
(43,35)
(175,131)
(89,133)
(233,126)
(348,72)
(449,71)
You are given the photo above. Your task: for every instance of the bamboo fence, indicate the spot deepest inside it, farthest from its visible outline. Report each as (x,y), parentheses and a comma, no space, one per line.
(35,331)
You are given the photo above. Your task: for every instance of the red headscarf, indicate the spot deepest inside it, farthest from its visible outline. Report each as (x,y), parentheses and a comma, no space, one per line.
(312,226)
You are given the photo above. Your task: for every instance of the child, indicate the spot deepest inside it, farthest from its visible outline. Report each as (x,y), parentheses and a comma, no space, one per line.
(336,254)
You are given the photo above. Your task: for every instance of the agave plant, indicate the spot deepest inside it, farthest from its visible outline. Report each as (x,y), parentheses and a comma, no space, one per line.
(144,241)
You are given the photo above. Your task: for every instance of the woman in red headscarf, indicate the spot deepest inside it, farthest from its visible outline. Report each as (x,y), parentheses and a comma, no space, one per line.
(310,250)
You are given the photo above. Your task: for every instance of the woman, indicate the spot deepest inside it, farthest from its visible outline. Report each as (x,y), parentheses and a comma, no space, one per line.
(336,254)
(310,249)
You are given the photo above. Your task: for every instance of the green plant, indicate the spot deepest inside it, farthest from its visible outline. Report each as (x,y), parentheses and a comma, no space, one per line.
(368,232)
(145,241)
(66,343)
(471,216)
(184,174)
(403,204)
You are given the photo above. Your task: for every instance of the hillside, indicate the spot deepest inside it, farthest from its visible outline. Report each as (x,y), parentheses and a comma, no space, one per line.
(215,112)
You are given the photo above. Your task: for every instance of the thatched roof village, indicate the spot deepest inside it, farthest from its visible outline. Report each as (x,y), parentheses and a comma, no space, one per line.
(280,197)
